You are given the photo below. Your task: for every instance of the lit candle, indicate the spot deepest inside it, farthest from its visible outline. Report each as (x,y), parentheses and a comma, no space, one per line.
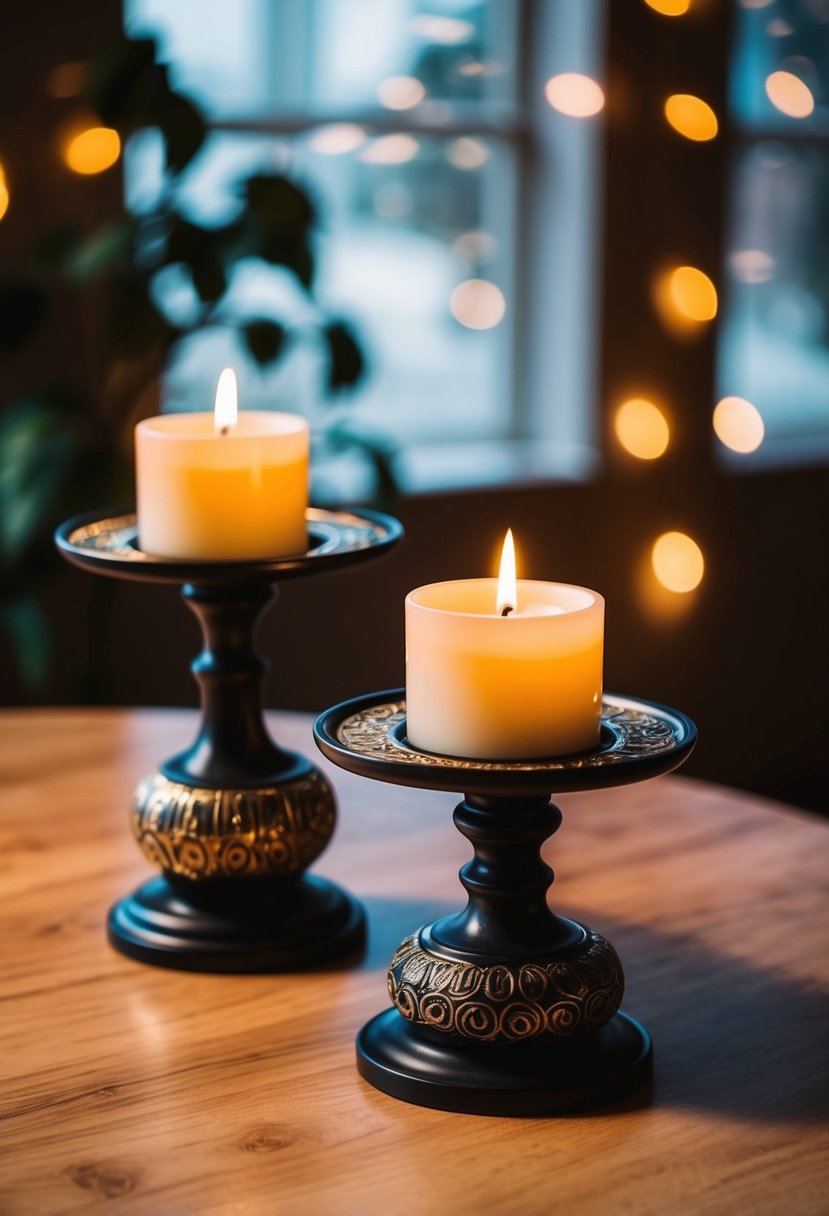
(503,669)
(227,485)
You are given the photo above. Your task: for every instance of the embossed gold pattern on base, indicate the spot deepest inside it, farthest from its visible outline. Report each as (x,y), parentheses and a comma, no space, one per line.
(377,732)
(501,1003)
(207,833)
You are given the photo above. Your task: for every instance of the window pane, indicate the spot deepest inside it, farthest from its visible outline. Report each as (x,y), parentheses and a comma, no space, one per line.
(775,339)
(415,250)
(780,73)
(249,58)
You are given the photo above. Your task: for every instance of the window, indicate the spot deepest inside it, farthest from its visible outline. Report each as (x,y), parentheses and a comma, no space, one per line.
(459,211)
(774,348)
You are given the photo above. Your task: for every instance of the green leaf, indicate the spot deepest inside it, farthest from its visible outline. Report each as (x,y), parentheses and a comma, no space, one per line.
(346,364)
(28,628)
(110,246)
(122,80)
(184,131)
(294,254)
(209,281)
(264,340)
(283,209)
(22,307)
(38,442)
(188,242)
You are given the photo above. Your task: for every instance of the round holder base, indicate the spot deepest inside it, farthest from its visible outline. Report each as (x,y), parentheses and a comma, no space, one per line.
(238,926)
(518,1079)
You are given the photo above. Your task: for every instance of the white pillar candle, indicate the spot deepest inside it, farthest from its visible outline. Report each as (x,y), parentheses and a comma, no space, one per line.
(503,687)
(222,486)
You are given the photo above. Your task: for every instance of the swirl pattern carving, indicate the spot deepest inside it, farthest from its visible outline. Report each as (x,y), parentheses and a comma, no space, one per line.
(506,1004)
(207,833)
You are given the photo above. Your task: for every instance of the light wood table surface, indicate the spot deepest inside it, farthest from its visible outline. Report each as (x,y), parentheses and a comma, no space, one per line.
(130,1089)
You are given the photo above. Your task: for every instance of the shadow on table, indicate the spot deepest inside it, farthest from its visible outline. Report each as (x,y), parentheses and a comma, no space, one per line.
(729,1036)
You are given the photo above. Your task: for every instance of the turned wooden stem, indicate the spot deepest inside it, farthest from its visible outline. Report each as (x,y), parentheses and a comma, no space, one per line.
(506,881)
(233,748)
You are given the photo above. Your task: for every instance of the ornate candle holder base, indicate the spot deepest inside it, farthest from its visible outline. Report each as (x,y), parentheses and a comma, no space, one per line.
(512,1079)
(238,925)
(232,895)
(234,821)
(505,1008)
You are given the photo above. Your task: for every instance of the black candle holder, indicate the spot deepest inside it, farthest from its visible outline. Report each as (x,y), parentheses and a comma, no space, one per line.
(505,1008)
(234,821)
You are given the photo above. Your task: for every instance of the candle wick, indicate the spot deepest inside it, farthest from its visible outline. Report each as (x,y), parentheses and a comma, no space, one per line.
(506,610)
(224,430)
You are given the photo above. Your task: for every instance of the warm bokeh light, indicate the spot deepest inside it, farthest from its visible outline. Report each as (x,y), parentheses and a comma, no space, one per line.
(337,138)
(467,153)
(685,299)
(751,265)
(738,424)
(669,8)
(575,95)
(391,150)
(226,409)
(789,94)
(447,31)
(691,117)
(400,92)
(478,304)
(507,583)
(677,562)
(477,245)
(693,293)
(641,428)
(777,28)
(4,193)
(92,151)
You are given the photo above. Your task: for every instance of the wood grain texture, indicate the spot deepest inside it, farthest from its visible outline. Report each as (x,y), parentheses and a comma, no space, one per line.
(134,1090)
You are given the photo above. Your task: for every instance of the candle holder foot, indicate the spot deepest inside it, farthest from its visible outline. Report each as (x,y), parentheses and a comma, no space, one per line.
(233,821)
(534,1078)
(238,925)
(505,1008)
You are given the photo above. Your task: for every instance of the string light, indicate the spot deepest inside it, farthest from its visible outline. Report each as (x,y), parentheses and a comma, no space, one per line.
(4,193)
(337,138)
(691,117)
(575,95)
(789,94)
(400,92)
(669,8)
(738,424)
(677,562)
(478,304)
(92,151)
(642,429)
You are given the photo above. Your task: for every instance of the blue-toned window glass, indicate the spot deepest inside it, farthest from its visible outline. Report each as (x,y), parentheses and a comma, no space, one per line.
(393,114)
(774,348)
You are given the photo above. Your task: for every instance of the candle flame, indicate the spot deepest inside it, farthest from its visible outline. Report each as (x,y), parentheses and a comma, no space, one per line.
(225,412)
(507,588)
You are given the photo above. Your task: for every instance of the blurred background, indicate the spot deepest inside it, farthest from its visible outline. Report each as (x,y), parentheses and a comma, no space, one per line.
(558,266)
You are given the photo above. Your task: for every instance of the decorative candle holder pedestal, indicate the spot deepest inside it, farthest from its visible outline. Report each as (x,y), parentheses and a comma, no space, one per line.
(505,1008)
(234,821)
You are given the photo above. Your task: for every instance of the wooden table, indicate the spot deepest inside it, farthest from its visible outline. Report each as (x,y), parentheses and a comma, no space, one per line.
(130,1089)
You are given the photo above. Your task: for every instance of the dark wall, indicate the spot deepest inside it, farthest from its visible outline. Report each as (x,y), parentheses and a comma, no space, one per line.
(747,655)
